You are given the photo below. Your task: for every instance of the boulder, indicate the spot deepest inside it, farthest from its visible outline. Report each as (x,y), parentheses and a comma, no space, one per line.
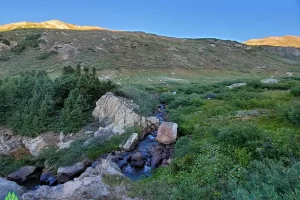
(131,142)
(89,185)
(65,145)
(65,174)
(9,142)
(95,164)
(156,160)
(136,160)
(167,133)
(35,146)
(117,113)
(269,81)
(48,178)
(22,175)
(152,121)
(210,96)
(103,132)
(235,85)
(10,186)
(61,137)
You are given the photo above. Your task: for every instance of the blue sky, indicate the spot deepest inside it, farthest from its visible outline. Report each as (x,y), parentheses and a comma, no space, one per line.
(226,19)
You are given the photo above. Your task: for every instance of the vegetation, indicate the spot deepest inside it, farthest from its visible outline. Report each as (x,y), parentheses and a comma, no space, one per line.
(244,144)
(33,103)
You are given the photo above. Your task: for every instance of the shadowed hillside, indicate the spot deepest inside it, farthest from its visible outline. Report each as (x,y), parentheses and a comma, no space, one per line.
(50,49)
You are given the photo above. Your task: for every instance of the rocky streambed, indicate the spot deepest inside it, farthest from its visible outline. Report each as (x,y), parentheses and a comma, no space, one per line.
(137,157)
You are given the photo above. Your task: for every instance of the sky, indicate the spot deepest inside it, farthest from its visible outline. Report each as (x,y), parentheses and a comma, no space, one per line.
(238,20)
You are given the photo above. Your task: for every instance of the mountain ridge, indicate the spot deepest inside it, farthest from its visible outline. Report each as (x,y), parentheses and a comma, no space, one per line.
(51,24)
(279,41)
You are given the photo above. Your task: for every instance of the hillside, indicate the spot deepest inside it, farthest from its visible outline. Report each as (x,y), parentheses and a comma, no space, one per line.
(285,41)
(51,49)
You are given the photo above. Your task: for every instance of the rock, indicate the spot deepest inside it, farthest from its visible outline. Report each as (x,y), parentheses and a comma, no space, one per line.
(289,74)
(35,146)
(269,81)
(95,163)
(89,185)
(104,132)
(10,186)
(22,175)
(152,121)
(117,113)
(61,137)
(131,142)
(167,133)
(210,96)
(155,160)
(235,85)
(48,178)
(136,160)
(65,174)
(65,145)
(9,142)
(244,113)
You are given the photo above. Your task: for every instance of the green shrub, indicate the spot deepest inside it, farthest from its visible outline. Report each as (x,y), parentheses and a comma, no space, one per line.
(4,58)
(295,91)
(294,114)
(5,41)
(46,55)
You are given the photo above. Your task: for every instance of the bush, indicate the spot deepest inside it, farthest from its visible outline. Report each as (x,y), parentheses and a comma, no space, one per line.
(46,55)
(5,41)
(295,91)
(294,114)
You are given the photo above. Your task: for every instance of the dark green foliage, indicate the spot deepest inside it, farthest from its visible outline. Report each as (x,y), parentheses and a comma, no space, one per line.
(33,103)
(295,91)
(4,58)
(46,55)
(266,180)
(294,114)
(5,41)
(32,40)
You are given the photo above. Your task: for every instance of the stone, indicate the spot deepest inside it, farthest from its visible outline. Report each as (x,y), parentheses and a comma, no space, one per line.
(22,175)
(117,113)
(210,96)
(235,85)
(167,133)
(10,186)
(65,174)
(61,137)
(269,81)
(65,145)
(131,142)
(48,178)
(89,185)
(155,160)
(136,160)
(152,121)
(9,142)
(95,163)
(103,132)
(35,146)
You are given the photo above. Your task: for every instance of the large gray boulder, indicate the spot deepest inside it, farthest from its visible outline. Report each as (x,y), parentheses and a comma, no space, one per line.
(36,145)
(89,185)
(10,186)
(167,133)
(65,174)
(22,175)
(117,113)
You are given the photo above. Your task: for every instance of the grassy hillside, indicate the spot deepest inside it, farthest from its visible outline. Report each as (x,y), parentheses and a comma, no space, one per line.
(50,50)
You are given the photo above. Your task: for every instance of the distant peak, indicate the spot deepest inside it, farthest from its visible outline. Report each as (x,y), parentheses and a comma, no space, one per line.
(284,41)
(51,24)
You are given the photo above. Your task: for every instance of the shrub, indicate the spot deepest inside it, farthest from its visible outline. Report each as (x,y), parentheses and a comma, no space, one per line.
(295,91)
(294,114)
(5,41)
(46,55)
